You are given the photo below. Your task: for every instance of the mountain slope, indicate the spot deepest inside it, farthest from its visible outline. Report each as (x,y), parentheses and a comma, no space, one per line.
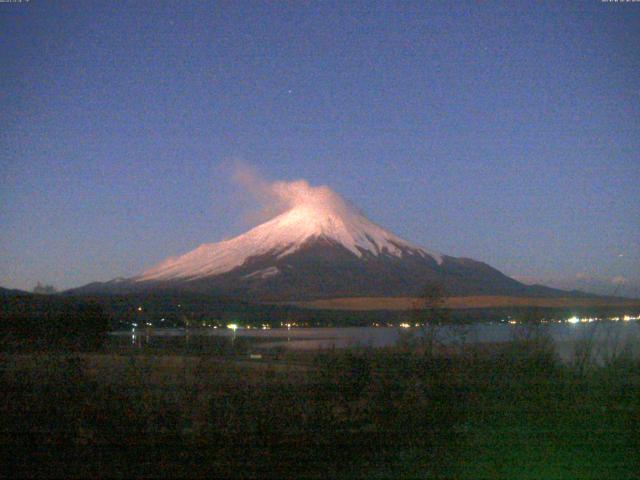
(319,247)
(322,268)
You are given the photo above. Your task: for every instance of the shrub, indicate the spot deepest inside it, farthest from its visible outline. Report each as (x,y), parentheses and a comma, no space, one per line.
(44,323)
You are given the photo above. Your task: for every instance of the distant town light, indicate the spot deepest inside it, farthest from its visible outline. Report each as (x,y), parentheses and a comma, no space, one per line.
(573,320)
(139,309)
(232,326)
(404,325)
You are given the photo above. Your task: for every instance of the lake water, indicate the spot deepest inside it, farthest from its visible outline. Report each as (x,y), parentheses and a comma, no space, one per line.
(608,337)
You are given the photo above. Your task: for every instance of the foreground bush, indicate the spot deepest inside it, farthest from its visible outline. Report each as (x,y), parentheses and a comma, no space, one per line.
(38,322)
(513,413)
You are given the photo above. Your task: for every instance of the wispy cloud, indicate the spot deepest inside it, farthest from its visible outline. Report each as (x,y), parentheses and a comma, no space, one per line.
(275,197)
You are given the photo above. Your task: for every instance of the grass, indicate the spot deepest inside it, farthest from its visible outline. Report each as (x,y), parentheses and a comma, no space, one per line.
(514,412)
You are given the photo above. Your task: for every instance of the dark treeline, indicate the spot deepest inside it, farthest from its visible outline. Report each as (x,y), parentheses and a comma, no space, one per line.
(179,309)
(45,322)
(32,322)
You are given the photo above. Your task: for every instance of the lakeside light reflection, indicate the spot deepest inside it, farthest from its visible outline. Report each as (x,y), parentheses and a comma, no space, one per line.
(215,324)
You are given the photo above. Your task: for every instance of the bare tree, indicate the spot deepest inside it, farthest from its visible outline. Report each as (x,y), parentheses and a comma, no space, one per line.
(432,314)
(44,289)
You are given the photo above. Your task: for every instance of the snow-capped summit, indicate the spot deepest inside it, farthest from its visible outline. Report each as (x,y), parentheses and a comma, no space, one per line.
(316,214)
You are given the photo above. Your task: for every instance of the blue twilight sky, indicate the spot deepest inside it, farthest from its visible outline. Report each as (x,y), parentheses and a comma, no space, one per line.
(508,132)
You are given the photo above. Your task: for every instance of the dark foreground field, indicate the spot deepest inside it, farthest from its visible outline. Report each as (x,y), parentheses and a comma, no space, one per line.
(514,412)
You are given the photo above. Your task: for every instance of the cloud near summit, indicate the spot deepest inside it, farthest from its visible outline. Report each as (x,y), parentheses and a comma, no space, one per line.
(279,196)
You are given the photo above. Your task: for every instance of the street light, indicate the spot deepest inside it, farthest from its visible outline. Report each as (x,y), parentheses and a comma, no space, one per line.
(234,327)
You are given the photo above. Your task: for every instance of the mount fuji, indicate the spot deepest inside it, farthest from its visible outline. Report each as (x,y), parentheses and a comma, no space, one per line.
(319,247)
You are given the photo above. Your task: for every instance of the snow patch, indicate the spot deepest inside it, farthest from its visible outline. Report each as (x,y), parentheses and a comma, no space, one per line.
(264,273)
